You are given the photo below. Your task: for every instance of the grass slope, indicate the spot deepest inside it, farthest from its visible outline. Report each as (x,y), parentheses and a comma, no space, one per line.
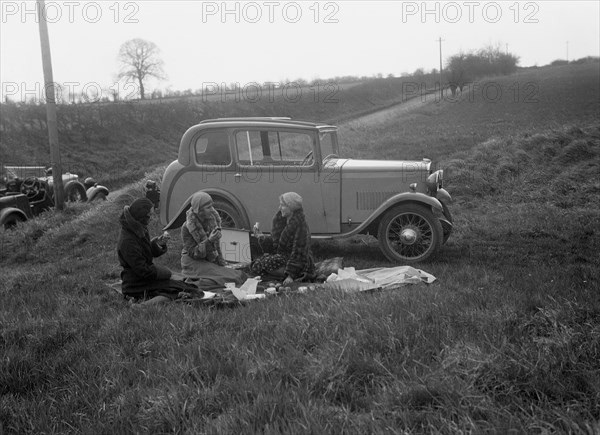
(507,340)
(531,101)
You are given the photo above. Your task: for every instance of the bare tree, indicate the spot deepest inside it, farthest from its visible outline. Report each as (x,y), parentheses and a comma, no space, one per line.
(140,60)
(488,61)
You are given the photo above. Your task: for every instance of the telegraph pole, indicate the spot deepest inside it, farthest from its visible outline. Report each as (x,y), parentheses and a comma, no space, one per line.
(567,51)
(59,199)
(441,84)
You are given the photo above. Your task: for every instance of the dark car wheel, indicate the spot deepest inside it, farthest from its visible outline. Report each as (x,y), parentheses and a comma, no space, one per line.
(230,217)
(409,233)
(75,193)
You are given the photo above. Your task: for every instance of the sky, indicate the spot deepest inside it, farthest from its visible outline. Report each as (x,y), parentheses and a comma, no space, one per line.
(207,44)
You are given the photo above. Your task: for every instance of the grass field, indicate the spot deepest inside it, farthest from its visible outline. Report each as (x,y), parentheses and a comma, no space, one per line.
(507,340)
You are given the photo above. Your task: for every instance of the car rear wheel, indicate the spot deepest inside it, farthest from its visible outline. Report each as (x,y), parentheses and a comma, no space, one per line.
(230,217)
(75,193)
(409,233)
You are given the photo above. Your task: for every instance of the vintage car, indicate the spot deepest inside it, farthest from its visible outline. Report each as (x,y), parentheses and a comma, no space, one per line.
(246,163)
(23,199)
(28,191)
(74,189)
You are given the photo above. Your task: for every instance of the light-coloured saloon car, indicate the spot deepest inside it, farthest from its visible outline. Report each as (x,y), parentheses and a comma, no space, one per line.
(246,163)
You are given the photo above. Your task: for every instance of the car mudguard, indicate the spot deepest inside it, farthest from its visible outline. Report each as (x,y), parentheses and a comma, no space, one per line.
(401,198)
(5,213)
(68,185)
(443,196)
(447,223)
(95,190)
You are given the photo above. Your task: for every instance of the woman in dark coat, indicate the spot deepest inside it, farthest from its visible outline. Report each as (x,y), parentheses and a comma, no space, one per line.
(201,256)
(292,258)
(141,278)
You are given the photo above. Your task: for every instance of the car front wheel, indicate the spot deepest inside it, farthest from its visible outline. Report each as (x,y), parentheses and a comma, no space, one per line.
(230,217)
(409,233)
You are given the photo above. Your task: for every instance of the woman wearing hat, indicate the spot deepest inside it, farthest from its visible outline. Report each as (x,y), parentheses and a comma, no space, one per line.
(141,278)
(201,257)
(292,258)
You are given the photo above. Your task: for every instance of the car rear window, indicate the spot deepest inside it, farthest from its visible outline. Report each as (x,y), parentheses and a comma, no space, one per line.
(212,148)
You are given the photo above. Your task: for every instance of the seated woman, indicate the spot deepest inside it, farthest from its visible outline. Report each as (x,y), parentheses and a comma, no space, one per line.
(141,278)
(292,258)
(201,257)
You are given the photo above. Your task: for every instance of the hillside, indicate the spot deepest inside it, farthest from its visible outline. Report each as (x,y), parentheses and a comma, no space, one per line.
(506,340)
(117,142)
(531,101)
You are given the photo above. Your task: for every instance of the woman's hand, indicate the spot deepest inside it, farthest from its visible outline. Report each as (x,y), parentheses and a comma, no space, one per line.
(288,280)
(214,235)
(163,239)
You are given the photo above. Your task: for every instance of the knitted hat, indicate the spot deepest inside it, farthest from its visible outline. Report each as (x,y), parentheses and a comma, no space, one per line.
(199,200)
(292,200)
(140,207)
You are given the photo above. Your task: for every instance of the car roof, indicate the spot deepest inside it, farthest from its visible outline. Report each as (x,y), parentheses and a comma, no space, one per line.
(264,122)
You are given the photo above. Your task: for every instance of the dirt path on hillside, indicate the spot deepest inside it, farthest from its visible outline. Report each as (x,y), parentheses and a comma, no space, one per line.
(388,113)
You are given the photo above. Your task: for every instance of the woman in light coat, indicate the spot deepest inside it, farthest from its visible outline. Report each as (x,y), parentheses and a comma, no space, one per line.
(201,257)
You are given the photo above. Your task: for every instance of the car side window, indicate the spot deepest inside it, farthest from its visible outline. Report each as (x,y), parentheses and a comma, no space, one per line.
(249,148)
(212,148)
(274,148)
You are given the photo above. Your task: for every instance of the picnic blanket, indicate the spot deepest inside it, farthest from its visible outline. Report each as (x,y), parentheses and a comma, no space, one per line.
(346,279)
(349,279)
(208,298)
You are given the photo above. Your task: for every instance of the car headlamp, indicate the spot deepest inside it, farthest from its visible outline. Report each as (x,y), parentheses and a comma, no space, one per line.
(435,181)
(432,183)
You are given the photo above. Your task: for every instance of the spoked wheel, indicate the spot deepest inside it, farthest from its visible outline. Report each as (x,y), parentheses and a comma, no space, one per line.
(409,233)
(230,217)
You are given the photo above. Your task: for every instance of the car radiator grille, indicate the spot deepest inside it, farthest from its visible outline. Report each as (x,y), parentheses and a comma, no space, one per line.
(371,200)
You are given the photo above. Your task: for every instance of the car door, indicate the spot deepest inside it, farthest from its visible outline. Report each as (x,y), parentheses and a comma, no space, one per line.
(272,161)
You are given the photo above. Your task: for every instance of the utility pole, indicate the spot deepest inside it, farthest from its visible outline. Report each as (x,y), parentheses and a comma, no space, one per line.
(441,83)
(50,94)
(567,51)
